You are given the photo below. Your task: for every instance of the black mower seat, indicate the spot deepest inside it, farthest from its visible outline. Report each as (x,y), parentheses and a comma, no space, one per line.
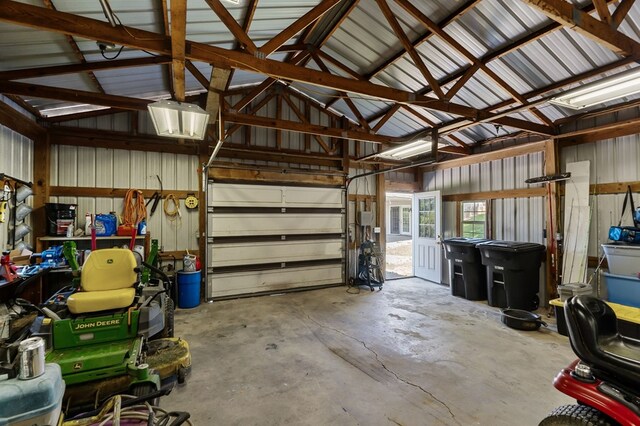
(594,337)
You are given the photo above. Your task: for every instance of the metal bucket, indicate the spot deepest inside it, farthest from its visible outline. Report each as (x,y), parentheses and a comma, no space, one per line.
(31,358)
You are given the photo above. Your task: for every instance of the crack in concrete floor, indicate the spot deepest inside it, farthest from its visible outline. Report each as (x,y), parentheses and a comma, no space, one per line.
(405,381)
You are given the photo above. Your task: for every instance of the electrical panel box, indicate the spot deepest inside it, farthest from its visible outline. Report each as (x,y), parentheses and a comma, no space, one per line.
(365,218)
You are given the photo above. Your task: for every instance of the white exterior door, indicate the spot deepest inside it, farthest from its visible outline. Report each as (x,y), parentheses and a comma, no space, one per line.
(427,236)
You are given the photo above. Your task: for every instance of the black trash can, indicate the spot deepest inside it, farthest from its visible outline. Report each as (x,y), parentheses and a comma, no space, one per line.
(513,273)
(467,276)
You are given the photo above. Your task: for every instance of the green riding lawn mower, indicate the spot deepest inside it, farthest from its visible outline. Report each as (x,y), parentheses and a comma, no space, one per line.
(112,331)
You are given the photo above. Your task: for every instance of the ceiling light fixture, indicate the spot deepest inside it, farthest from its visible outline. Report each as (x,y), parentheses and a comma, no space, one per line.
(607,89)
(411,149)
(178,120)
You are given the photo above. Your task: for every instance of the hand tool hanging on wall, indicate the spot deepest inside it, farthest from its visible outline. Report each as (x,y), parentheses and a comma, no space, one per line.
(4,198)
(156,197)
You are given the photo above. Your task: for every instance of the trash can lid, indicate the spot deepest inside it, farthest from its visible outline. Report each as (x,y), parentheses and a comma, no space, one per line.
(512,246)
(464,241)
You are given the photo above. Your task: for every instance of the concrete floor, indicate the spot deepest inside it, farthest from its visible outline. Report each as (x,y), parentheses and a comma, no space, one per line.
(411,354)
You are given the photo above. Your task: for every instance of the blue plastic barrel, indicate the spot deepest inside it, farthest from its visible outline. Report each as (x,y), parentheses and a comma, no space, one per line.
(188,289)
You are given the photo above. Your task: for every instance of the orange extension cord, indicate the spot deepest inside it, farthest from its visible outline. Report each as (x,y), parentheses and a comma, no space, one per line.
(134,211)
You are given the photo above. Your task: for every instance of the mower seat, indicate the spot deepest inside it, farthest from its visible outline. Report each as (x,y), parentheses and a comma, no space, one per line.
(107,281)
(594,337)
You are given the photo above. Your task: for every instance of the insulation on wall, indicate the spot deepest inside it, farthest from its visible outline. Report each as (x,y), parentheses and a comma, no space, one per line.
(114,168)
(16,159)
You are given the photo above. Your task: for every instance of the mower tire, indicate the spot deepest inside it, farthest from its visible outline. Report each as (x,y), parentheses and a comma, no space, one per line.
(576,415)
(169,310)
(143,389)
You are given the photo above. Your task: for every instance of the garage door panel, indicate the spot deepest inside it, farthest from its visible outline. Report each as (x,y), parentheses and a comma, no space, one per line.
(230,224)
(259,236)
(313,197)
(256,253)
(272,280)
(229,195)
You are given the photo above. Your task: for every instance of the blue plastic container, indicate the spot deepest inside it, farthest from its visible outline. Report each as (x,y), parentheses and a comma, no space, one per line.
(188,289)
(623,289)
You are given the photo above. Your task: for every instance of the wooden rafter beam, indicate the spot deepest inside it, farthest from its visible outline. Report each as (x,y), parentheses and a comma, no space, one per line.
(16,121)
(268,82)
(570,16)
(343,95)
(233,26)
(461,10)
(415,56)
(27,15)
(621,12)
(304,120)
(72,95)
(252,110)
(437,30)
(297,26)
(313,129)
(491,56)
(178,34)
(386,117)
(82,67)
(78,53)
(246,23)
(470,72)
(197,74)
(217,83)
(328,58)
(603,10)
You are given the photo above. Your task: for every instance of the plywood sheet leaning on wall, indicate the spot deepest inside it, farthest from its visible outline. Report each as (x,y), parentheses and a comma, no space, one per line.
(577,216)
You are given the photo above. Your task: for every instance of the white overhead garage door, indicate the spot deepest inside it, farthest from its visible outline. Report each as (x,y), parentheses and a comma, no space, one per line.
(267,238)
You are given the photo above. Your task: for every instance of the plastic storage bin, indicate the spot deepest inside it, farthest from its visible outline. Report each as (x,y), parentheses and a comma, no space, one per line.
(574,289)
(188,289)
(623,259)
(467,275)
(622,289)
(32,402)
(513,273)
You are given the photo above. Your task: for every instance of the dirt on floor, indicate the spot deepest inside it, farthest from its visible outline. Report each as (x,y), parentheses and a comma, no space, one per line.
(399,259)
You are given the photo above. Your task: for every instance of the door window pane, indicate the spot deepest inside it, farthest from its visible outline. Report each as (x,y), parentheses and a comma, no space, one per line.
(427,217)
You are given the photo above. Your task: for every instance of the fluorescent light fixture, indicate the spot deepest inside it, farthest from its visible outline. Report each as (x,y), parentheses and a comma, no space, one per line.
(607,89)
(407,150)
(178,120)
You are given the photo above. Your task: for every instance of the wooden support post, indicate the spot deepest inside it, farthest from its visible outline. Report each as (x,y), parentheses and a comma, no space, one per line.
(381,209)
(552,225)
(41,178)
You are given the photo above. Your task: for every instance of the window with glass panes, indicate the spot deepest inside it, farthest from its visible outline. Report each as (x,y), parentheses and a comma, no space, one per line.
(474,219)
(427,217)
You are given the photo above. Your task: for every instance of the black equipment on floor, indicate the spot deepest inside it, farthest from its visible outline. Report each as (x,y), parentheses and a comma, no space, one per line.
(369,266)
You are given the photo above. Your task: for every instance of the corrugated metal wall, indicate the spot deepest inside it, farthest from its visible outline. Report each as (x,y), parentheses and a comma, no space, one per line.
(515,219)
(16,159)
(115,168)
(612,160)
